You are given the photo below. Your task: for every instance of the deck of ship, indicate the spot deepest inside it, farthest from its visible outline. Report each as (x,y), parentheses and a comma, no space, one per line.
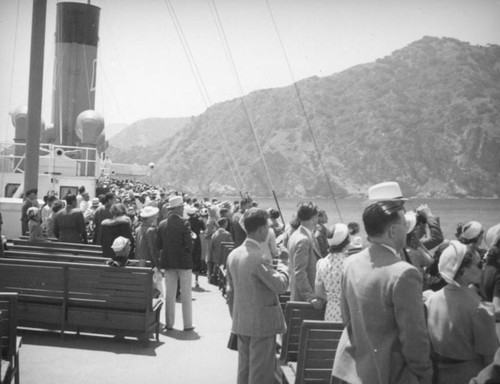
(179,357)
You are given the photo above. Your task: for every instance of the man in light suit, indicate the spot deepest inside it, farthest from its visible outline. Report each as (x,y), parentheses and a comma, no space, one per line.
(253,286)
(304,255)
(385,338)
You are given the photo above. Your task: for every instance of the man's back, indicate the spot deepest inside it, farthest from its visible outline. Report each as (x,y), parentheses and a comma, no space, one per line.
(237,232)
(256,311)
(304,255)
(382,308)
(69,225)
(174,239)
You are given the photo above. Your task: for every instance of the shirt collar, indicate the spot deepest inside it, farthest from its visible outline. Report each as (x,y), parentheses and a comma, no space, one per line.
(249,240)
(391,249)
(308,231)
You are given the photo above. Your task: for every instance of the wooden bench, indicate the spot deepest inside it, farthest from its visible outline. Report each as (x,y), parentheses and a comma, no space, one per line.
(227,247)
(9,342)
(295,313)
(14,253)
(39,248)
(284,298)
(317,347)
(81,297)
(54,243)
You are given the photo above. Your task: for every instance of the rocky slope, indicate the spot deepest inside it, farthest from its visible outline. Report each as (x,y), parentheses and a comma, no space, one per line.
(428,116)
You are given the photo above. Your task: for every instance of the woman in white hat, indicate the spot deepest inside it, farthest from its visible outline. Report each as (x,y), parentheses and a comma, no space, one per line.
(461,327)
(329,272)
(471,234)
(36,232)
(145,235)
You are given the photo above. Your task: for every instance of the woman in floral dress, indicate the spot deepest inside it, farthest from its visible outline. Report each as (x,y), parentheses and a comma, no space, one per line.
(329,272)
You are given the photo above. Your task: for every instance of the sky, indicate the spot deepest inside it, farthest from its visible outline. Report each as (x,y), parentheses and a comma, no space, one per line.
(143,70)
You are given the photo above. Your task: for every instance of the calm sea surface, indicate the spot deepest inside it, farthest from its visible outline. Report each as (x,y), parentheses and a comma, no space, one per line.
(450,211)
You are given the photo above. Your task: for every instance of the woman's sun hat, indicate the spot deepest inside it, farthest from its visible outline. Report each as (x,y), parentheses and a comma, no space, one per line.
(450,261)
(340,234)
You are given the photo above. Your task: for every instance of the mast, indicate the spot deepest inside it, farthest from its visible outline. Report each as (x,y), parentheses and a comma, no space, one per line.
(35,94)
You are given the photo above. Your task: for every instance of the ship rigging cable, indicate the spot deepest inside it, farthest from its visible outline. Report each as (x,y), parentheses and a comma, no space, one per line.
(222,34)
(308,123)
(204,93)
(14,49)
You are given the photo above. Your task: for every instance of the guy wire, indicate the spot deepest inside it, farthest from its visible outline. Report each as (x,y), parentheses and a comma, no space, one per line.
(308,123)
(203,91)
(238,83)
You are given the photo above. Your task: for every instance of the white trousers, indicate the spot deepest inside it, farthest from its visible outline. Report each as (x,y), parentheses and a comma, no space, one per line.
(171,278)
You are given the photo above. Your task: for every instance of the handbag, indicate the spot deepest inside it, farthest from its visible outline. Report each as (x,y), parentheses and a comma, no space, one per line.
(232,344)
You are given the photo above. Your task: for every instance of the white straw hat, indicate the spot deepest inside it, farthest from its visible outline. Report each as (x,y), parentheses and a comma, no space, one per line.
(175,201)
(149,211)
(387,191)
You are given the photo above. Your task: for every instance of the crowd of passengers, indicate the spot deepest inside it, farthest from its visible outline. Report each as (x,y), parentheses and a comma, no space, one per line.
(458,279)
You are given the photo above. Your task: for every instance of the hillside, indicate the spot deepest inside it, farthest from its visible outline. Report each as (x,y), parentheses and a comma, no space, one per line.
(428,116)
(132,143)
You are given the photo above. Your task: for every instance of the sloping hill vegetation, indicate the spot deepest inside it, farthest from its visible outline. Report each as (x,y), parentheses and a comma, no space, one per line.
(428,116)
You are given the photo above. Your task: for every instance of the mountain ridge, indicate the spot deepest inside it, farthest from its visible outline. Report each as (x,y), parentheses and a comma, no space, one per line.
(427,116)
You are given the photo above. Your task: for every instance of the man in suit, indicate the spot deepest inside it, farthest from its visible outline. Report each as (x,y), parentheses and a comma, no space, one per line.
(304,255)
(175,242)
(237,231)
(253,286)
(385,338)
(69,224)
(102,213)
(30,201)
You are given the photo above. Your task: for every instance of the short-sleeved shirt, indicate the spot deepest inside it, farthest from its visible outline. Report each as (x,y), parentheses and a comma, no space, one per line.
(329,273)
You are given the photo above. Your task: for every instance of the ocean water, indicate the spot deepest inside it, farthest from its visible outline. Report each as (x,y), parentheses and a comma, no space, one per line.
(450,211)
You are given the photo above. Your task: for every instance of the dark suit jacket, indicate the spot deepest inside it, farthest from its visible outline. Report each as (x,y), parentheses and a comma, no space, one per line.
(69,226)
(175,242)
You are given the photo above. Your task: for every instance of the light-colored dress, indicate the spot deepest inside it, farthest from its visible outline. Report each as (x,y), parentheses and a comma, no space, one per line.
(329,273)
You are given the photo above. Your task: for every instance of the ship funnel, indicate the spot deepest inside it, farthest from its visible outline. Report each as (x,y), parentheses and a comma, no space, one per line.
(77,36)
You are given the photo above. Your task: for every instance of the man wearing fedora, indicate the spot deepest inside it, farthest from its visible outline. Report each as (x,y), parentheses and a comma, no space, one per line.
(385,337)
(175,242)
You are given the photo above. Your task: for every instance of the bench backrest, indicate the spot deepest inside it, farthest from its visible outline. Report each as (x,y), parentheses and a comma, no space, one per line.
(23,240)
(295,313)
(61,257)
(78,284)
(8,324)
(317,347)
(227,247)
(284,298)
(37,247)
(17,254)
